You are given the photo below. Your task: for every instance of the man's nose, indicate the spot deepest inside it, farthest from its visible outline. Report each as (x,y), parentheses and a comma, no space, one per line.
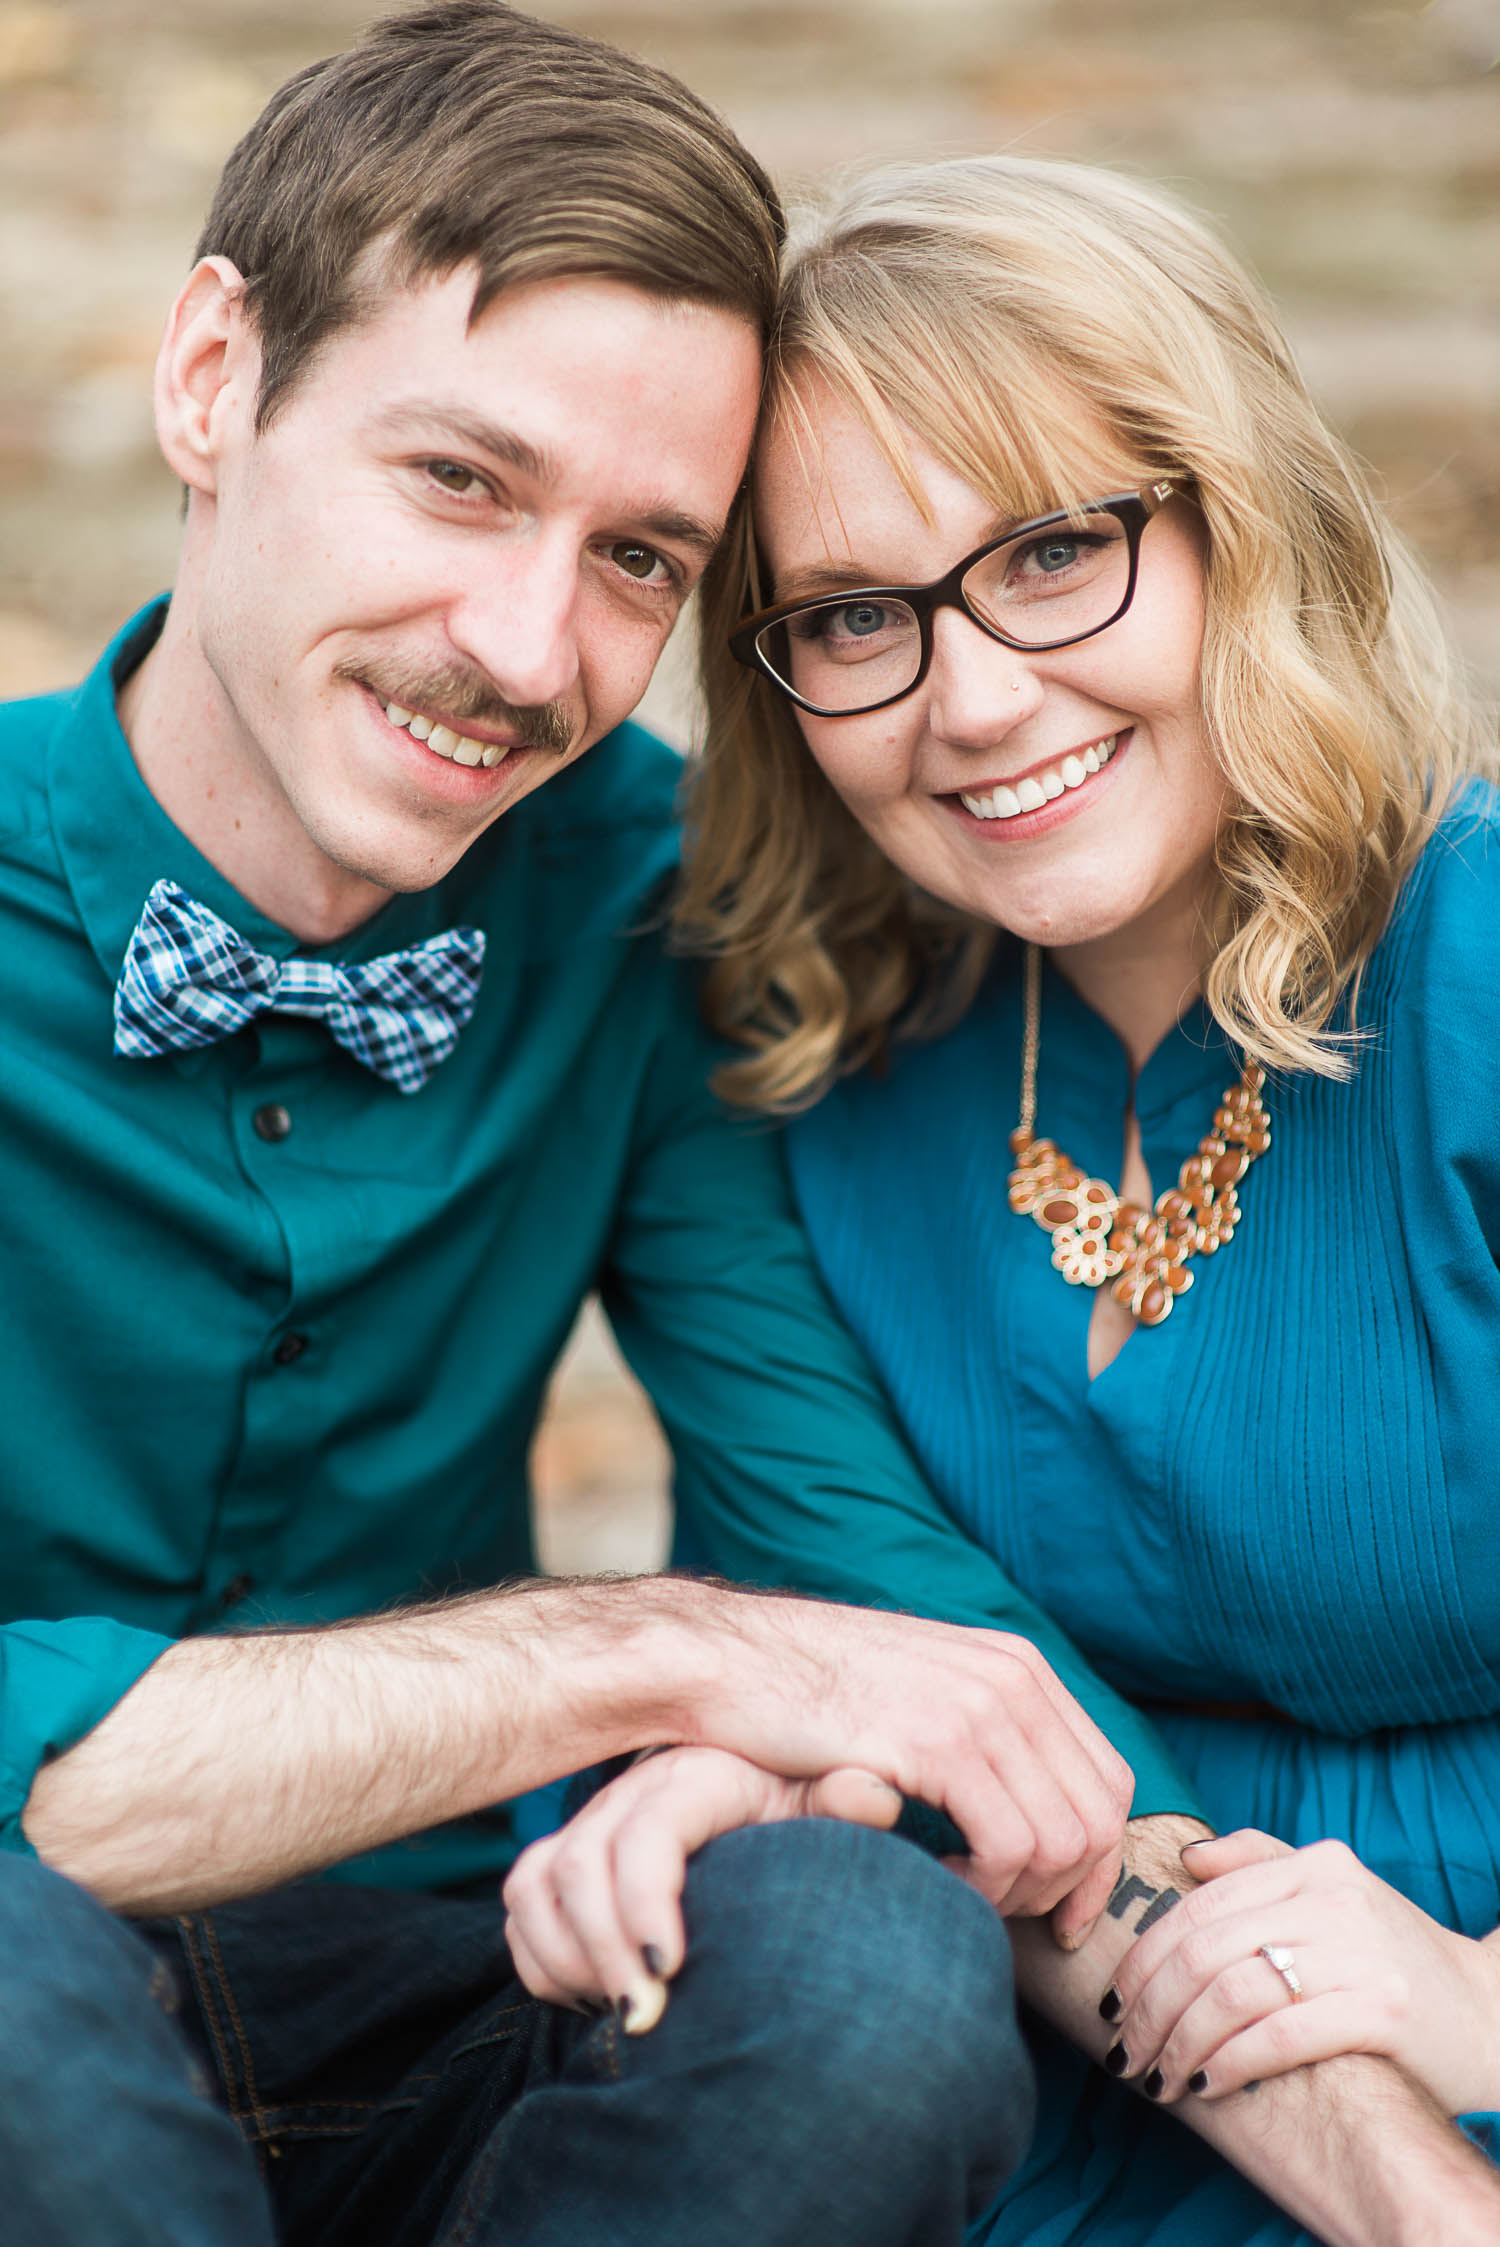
(517,617)
(978,688)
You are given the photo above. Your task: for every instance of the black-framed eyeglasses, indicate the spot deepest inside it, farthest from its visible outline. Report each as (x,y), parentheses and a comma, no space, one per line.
(1046,584)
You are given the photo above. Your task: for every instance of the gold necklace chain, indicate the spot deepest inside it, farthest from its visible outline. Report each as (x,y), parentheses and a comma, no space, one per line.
(1096,1236)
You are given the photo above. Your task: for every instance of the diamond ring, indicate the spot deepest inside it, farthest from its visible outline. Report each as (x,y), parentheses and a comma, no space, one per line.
(1277,1955)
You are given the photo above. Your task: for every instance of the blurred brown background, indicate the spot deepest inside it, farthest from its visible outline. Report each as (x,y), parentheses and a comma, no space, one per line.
(1352,151)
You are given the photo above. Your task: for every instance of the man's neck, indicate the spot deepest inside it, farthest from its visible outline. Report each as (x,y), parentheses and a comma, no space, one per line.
(197,761)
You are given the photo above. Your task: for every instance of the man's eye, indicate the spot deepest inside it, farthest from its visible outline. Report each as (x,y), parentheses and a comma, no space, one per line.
(640,562)
(453,476)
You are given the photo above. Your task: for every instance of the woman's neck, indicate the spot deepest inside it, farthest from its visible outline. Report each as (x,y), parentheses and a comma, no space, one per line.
(1141,979)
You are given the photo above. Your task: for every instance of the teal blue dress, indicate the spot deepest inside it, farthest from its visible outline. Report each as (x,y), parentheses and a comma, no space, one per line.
(1286,1494)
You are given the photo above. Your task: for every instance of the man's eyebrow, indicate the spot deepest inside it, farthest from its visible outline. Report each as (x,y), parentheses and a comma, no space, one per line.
(474,431)
(470,429)
(677,529)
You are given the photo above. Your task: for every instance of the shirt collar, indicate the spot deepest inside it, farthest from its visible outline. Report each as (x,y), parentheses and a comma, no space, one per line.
(116,842)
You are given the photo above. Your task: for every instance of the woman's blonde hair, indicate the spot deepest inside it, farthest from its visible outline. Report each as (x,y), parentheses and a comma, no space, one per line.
(1010,311)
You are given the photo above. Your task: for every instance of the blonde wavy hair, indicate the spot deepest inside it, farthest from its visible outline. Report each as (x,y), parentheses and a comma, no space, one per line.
(1008,310)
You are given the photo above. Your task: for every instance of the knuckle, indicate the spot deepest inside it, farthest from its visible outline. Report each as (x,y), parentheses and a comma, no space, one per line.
(1242,1989)
(1281,2034)
(1058,1848)
(1195,1953)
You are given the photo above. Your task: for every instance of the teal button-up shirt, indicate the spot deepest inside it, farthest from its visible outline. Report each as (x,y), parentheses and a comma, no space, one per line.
(258,1374)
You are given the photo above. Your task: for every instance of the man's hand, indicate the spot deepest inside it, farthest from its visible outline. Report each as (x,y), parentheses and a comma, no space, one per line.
(594,1910)
(972,1721)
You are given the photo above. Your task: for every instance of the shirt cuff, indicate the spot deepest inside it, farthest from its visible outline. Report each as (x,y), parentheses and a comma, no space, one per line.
(57,1681)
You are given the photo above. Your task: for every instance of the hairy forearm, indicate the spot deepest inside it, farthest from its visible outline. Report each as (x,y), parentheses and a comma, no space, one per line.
(236,1763)
(1349,2147)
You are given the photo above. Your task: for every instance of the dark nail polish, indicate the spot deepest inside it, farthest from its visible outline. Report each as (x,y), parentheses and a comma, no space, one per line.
(1252,2085)
(1117,2060)
(624,2007)
(1198,2080)
(1109,2005)
(653,1961)
(1154,2084)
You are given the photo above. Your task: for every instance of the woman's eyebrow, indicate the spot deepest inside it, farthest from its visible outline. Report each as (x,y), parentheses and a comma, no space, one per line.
(824,577)
(837,577)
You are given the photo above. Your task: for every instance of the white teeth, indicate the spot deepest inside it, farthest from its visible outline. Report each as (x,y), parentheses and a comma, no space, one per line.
(1040,788)
(459,748)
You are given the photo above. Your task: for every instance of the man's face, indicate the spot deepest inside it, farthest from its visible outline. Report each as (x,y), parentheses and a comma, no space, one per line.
(450,563)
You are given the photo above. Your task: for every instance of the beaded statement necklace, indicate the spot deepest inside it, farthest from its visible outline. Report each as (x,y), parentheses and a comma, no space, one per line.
(1095,1235)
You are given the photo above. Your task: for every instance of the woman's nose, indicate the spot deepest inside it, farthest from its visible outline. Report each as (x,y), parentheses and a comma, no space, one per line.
(978,688)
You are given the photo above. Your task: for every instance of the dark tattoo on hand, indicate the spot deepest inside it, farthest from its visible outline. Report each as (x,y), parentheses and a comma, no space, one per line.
(1131,1889)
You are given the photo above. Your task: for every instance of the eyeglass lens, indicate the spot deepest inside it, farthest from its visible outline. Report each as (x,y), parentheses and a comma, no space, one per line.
(1058,584)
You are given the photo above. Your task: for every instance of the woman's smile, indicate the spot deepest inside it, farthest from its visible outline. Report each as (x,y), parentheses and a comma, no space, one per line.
(1041,797)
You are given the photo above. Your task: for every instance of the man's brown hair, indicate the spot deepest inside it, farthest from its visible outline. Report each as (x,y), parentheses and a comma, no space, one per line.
(466,133)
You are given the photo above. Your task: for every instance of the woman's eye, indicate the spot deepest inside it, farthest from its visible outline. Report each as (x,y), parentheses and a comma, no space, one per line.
(642,563)
(1053,554)
(453,476)
(860,618)
(853,620)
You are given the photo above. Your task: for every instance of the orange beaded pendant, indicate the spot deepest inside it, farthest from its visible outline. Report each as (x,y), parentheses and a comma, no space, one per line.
(1095,1235)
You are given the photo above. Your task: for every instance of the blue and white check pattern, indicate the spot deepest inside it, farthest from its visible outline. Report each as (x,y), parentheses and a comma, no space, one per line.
(189,979)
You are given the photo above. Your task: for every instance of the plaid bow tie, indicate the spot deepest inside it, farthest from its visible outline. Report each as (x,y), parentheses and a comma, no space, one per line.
(189,979)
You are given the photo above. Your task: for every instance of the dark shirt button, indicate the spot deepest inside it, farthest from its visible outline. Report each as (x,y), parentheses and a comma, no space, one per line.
(289,1349)
(272,1122)
(238,1588)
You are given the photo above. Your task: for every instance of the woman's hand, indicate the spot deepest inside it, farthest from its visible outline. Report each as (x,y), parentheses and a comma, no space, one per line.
(594,1912)
(1196,2007)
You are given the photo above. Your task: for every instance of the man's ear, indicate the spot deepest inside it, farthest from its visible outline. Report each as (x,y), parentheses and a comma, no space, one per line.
(206,371)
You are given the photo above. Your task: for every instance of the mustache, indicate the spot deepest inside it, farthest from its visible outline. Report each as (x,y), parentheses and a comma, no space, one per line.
(462,692)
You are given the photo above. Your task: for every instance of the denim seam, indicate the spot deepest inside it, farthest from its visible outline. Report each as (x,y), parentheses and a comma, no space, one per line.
(492,2033)
(251,2090)
(210,2015)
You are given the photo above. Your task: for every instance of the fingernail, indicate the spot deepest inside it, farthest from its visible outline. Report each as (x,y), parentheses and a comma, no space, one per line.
(1117,2060)
(1198,2080)
(654,1962)
(1201,1843)
(644,2009)
(623,2007)
(593,2007)
(1154,2084)
(1109,2005)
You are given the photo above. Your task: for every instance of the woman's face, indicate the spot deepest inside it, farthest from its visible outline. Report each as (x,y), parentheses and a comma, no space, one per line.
(1107,850)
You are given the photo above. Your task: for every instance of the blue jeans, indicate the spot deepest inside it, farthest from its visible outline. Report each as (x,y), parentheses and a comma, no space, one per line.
(339,2067)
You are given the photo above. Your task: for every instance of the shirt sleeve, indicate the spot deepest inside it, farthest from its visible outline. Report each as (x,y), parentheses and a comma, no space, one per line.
(57,1681)
(790,1468)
